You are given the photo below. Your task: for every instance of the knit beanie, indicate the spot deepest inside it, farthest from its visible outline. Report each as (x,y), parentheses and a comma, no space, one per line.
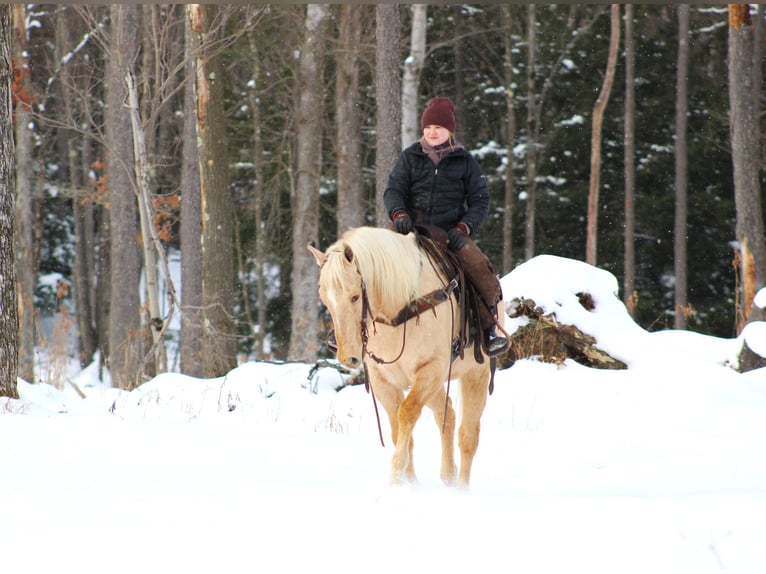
(439,112)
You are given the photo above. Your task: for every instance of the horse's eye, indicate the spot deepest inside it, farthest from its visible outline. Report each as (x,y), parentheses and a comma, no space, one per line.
(355,298)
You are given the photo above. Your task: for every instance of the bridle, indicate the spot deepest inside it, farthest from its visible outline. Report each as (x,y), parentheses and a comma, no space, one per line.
(411,310)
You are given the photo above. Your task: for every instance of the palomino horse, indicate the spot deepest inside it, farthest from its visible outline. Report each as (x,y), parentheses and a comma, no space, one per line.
(368,279)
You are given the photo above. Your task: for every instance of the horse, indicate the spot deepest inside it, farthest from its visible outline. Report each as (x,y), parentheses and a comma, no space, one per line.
(368,280)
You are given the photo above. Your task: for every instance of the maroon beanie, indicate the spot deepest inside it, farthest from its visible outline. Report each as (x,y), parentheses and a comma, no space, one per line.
(439,112)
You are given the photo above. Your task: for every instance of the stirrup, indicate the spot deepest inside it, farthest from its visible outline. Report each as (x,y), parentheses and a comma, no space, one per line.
(494,344)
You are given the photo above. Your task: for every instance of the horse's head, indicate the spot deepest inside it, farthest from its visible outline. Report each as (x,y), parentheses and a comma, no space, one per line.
(340,289)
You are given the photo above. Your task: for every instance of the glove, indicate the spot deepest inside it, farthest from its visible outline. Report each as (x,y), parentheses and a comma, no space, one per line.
(402,222)
(458,236)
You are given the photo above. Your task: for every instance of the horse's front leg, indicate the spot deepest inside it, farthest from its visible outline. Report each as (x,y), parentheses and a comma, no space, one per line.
(391,397)
(402,464)
(446,423)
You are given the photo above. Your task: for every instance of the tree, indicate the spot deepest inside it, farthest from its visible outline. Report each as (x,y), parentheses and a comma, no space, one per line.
(598,118)
(192,331)
(532,129)
(681,211)
(510,137)
(125,358)
(348,120)
(413,65)
(76,95)
(8,304)
(305,197)
(630,163)
(387,99)
(745,150)
(26,267)
(218,277)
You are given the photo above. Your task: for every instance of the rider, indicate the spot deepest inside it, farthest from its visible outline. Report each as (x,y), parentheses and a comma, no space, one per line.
(437,181)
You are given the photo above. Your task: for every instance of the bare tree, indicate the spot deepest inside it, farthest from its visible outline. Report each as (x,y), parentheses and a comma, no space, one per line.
(510,137)
(219,342)
(26,264)
(630,162)
(598,118)
(539,137)
(413,66)
(682,104)
(192,331)
(387,98)
(745,156)
(458,53)
(9,315)
(305,196)
(348,119)
(532,128)
(124,319)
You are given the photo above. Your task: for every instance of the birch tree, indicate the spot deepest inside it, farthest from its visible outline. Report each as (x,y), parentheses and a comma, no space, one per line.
(413,66)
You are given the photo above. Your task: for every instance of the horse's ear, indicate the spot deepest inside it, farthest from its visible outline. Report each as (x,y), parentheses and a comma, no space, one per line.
(318,255)
(348,253)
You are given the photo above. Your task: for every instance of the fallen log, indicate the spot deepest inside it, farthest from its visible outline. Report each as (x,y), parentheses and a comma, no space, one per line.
(551,341)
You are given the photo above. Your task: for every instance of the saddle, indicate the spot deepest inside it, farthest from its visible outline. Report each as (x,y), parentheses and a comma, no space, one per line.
(433,241)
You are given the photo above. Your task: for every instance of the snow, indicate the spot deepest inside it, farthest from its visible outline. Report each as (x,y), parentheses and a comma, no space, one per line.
(659,468)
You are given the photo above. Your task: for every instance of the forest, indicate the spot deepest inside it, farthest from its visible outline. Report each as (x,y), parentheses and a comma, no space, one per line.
(227,138)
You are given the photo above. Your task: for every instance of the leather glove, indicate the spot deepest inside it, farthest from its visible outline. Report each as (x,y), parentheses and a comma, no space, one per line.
(402,222)
(458,236)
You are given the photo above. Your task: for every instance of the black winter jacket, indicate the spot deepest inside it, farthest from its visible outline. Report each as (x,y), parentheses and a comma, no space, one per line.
(455,190)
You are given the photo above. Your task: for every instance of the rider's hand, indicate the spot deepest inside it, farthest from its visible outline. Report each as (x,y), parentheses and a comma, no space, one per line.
(458,236)
(402,222)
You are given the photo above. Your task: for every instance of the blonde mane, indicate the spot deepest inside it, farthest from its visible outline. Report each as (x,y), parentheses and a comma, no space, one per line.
(389,263)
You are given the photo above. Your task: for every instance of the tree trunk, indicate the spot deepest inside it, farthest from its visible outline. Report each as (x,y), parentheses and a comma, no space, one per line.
(413,66)
(304,343)
(510,137)
(350,207)
(458,53)
(192,363)
(26,264)
(218,276)
(532,127)
(595,143)
(682,104)
(259,202)
(630,164)
(125,356)
(9,326)
(387,98)
(745,155)
(75,92)
(149,240)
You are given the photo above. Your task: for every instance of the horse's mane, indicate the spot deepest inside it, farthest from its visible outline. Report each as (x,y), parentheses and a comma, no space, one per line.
(389,263)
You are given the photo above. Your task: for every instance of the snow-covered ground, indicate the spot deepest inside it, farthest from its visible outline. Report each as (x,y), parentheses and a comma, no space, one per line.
(660,468)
